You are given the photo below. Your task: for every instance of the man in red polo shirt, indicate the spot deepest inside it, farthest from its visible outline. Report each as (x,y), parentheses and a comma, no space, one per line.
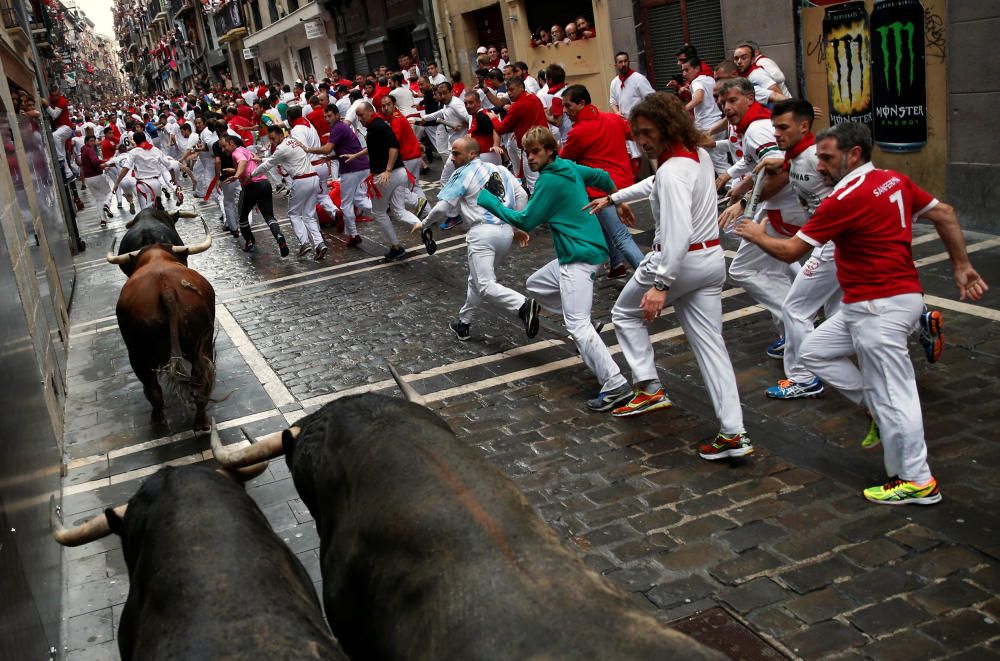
(598,140)
(317,116)
(241,125)
(525,112)
(57,107)
(409,150)
(869,217)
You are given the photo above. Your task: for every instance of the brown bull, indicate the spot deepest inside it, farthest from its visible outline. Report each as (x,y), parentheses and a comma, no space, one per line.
(166,315)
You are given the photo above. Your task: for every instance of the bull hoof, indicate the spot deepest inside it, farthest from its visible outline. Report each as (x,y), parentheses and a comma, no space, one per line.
(158,419)
(201,424)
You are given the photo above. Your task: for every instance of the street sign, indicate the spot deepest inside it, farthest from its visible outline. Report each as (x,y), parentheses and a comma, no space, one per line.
(251,52)
(314,29)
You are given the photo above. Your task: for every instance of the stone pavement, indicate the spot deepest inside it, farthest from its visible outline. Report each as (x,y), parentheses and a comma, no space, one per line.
(779,548)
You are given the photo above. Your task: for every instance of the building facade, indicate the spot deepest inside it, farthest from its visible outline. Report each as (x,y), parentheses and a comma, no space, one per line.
(289,40)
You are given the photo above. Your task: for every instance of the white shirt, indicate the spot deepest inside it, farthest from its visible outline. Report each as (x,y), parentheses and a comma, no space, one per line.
(762,84)
(290,156)
(150,163)
(307,136)
(531,84)
(455,116)
(188,143)
(757,144)
(343,104)
(351,117)
(438,79)
(707,112)
(405,101)
(774,71)
(209,138)
(626,95)
(682,195)
(805,180)
(250,96)
(458,197)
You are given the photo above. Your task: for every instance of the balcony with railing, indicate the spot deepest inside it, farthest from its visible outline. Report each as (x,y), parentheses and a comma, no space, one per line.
(10,21)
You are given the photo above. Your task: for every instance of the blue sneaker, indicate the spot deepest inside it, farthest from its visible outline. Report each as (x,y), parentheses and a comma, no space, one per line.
(777,348)
(454,221)
(609,399)
(788,389)
(931,338)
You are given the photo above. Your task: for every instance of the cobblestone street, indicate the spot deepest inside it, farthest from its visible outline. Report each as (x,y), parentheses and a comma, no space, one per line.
(780,546)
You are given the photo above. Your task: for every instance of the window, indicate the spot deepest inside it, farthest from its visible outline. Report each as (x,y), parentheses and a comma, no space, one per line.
(272,10)
(292,5)
(306,61)
(255,14)
(666,25)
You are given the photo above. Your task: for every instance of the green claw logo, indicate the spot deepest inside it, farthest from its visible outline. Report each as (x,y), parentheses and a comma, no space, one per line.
(896,30)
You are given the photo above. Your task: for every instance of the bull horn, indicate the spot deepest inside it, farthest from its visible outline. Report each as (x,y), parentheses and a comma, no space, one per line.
(86,532)
(266,447)
(122,258)
(408,390)
(198,247)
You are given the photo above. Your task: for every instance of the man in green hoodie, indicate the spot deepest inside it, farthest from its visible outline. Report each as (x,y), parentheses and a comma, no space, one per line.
(566,284)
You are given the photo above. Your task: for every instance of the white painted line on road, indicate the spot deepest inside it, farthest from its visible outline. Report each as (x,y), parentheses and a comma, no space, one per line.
(504,379)
(255,360)
(926,238)
(167,440)
(971,248)
(149,470)
(960,306)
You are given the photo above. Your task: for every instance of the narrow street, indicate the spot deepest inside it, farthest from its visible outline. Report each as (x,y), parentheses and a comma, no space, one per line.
(776,556)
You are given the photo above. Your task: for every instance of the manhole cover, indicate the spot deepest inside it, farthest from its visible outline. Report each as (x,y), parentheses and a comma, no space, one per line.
(719,630)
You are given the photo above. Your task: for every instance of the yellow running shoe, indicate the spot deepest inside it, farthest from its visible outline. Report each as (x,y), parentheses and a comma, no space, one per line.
(904,492)
(873,438)
(643,402)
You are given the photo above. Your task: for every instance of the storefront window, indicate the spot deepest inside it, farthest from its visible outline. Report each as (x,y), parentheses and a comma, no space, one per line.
(560,22)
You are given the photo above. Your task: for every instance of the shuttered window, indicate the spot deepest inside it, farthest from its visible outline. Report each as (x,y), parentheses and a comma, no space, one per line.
(669,24)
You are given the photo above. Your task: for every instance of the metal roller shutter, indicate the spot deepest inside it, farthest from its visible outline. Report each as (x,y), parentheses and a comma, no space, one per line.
(666,34)
(705,30)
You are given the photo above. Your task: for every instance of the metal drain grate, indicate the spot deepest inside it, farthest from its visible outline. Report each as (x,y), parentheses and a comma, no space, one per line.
(719,630)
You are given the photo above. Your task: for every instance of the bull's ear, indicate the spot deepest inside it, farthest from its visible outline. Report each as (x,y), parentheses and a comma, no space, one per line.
(288,442)
(115,522)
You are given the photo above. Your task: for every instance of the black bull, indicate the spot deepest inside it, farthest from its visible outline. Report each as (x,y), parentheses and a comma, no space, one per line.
(149,227)
(430,552)
(208,578)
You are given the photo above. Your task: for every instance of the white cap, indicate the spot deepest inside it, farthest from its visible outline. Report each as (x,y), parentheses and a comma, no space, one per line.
(481,50)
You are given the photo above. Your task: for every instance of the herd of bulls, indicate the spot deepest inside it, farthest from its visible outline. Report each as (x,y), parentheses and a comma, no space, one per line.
(427,550)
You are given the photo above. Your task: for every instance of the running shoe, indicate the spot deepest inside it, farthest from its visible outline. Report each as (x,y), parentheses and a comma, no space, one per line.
(235,233)
(303,249)
(643,402)
(529,316)
(609,399)
(120,206)
(873,437)
(363,218)
(461,329)
(396,254)
(777,348)
(107,211)
(931,323)
(726,445)
(788,389)
(282,246)
(616,272)
(321,251)
(250,246)
(131,206)
(354,241)
(449,223)
(904,492)
(421,205)
(428,238)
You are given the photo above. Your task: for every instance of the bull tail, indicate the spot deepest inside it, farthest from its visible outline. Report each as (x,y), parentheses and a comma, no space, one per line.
(176,374)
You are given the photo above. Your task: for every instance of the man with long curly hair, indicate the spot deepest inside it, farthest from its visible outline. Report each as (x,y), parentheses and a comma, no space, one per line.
(686,269)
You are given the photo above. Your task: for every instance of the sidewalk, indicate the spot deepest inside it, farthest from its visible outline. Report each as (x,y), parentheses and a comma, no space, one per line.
(775,556)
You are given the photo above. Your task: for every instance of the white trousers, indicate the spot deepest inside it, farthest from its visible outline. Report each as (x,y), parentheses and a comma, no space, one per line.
(302,211)
(60,135)
(323,190)
(814,287)
(568,289)
(111,174)
(696,295)
(351,187)
(765,278)
(883,380)
(487,246)
(230,193)
(204,171)
(100,190)
(415,192)
(391,203)
(530,177)
(147,190)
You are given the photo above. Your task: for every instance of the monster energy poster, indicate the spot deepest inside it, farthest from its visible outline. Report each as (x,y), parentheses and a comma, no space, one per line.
(848,63)
(899,75)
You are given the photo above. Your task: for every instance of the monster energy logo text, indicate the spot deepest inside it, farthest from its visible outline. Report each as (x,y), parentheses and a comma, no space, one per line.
(897,29)
(847,63)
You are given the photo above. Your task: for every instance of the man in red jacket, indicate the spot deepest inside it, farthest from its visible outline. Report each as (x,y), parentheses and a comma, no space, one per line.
(598,140)
(525,112)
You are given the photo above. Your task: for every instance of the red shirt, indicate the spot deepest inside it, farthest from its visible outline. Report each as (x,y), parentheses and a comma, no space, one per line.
(523,114)
(485,139)
(597,140)
(262,93)
(317,118)
(241,125)
(409,146)
(108,148)
(458,89)
(63,118)
(246,112)
(869,217)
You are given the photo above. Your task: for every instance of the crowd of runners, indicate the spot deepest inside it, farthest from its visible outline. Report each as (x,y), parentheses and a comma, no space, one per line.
(825,236)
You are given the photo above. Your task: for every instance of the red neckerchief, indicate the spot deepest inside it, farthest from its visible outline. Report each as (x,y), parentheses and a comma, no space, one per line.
(675,151)
(301,121)
(807,141)
(556,88)
(146,145)
(753,67)
(754,112)
(588,112)
(624,77)
(706,70)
